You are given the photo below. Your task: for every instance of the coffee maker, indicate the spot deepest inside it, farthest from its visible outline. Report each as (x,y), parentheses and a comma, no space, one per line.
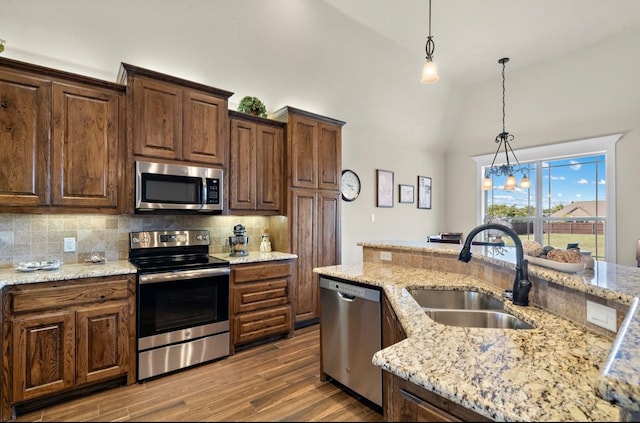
(239,241)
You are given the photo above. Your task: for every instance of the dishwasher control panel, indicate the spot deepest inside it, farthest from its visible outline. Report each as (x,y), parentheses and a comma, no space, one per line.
(349,289)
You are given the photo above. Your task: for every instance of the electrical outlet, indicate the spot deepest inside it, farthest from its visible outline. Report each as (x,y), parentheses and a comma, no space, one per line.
(385,255)
(69,245)
(601,315)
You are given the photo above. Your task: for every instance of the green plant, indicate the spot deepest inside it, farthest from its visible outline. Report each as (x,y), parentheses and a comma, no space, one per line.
(252,105)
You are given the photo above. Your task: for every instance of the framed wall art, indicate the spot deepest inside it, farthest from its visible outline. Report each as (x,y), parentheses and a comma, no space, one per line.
(384,181)
(406,193)
(424,192)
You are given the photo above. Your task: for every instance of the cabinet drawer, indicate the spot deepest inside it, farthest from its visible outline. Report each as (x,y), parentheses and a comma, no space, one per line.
(259,295)
(60,294)
(261,271)
(260,324)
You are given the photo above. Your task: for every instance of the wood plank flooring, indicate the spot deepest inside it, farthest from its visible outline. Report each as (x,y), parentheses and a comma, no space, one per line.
(278,381)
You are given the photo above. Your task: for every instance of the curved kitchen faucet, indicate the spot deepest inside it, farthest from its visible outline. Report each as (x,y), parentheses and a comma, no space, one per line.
(521,284)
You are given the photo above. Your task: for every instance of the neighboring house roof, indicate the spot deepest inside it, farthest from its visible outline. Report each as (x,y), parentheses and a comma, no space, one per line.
(582,209)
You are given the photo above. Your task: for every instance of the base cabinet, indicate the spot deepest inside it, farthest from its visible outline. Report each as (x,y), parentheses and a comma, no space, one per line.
(261,301)
(62,336)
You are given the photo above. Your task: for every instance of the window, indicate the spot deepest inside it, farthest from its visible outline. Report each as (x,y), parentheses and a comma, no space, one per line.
(571,198)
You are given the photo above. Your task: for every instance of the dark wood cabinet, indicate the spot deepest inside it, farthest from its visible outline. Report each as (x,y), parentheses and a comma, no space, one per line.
(256,165)
(85,150)
(62,336)
(261,301)
(24,139)
(314,148)
(174,119)
(61,142)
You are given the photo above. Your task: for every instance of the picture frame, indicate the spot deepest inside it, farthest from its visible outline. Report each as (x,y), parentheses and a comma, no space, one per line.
(384,183)
(406,193)
(424,192)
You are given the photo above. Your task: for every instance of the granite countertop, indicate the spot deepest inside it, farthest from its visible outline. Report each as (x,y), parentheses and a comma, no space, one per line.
(255,257)
(543,374)
(10,276)
(619,379)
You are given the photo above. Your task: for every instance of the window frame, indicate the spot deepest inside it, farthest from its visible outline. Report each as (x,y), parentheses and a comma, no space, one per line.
(597,145)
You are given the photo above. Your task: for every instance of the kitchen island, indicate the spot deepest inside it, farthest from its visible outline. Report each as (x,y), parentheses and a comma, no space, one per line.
(554,372)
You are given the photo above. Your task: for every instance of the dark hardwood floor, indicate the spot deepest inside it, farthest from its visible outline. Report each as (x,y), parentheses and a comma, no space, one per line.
(278,381)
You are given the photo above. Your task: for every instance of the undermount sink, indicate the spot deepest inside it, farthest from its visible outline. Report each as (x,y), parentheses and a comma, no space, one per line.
(477,319)
(466,308)
(459,300)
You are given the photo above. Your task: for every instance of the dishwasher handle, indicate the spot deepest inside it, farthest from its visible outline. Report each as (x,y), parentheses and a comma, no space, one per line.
(346,297)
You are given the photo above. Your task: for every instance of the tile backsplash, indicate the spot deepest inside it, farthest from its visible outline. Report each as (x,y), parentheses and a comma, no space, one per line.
(27,237)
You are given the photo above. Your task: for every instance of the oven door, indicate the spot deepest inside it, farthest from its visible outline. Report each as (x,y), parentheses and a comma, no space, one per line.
(182,305)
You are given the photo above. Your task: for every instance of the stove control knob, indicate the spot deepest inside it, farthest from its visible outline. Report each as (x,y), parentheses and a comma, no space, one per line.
(199,237)
(135,240)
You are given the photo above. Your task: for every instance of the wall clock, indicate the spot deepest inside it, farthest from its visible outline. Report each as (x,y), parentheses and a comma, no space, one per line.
(349,185)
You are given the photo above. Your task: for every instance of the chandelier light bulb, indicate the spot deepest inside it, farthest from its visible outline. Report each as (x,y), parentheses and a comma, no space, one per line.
(487,183)
(510,183)
(525,182)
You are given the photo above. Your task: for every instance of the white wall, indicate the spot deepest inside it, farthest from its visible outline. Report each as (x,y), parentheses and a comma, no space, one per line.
(592,92)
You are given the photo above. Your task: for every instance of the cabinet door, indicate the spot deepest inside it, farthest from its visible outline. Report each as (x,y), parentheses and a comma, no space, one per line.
(85,146)
(270,165)
(242,166)
(328,223)
(329,156)
(303,152)
(102,342)
(43,357)
(304,238)
(24,140)
(204,124)
(157,119)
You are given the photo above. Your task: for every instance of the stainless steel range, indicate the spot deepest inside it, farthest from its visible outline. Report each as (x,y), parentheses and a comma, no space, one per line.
(182,301)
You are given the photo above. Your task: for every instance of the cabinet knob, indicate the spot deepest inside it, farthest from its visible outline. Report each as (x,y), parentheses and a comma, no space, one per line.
(4,104)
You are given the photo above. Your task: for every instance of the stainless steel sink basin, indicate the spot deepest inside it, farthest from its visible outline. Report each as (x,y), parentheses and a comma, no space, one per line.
(459,300)
(477,319)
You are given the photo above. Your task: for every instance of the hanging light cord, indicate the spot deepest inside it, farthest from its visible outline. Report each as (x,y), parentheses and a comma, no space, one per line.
(430,47)
(504,136)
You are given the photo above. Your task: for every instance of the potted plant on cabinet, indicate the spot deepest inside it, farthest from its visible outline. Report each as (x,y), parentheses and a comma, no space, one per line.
(252,105)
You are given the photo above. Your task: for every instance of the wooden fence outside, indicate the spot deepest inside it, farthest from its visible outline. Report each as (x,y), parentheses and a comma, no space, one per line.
(578,228)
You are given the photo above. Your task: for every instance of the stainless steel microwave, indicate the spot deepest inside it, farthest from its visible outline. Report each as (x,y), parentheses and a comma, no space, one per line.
(180,188)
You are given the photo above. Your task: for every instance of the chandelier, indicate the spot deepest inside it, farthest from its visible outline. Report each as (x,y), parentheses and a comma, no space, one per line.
(429,70)
(504,140)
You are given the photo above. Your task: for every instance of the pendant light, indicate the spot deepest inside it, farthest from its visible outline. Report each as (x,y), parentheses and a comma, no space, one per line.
(429,70)
(504,140)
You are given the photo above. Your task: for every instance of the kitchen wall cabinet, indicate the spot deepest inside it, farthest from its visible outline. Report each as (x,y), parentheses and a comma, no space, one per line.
(313,163)
(63,336)
(256,165)
(174,119)
(61,141)
(261,301)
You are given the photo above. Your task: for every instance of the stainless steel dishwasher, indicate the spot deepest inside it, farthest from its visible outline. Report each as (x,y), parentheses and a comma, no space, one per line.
(350,329)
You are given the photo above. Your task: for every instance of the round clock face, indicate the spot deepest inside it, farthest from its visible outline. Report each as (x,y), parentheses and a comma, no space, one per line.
(349,185)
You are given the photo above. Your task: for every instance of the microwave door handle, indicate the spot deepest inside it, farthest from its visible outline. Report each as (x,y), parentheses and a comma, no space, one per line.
(204,193)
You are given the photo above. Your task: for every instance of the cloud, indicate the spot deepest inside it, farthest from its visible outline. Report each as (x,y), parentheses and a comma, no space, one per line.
(578,195)
(583,181)
(602,182)
(558,178)
(575,165)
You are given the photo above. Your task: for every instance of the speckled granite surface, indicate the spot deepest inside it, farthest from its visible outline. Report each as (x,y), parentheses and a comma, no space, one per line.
(555,372)
(544,374)
(619,380)
(255,257)
(9,276)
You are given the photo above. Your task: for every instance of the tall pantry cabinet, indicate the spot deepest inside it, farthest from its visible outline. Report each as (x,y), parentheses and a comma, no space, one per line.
(314,160)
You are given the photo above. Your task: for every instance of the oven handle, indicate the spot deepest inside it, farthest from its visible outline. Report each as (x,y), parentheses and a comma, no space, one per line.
(182,274)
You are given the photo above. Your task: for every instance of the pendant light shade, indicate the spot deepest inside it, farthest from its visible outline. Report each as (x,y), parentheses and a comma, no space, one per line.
(429,70)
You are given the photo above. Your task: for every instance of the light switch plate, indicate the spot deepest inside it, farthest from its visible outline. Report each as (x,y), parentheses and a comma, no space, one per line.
(69,245)
(385,255)
(601,315)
